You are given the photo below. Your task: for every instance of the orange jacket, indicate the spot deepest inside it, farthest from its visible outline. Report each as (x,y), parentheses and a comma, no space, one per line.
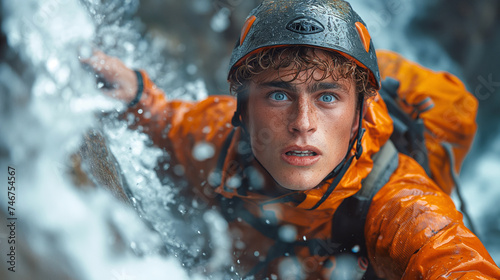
(413,230)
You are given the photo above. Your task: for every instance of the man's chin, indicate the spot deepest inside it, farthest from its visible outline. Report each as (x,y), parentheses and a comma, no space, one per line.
(297,184)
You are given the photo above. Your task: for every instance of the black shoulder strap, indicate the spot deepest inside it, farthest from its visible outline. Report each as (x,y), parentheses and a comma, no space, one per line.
(349,219)
(408,133)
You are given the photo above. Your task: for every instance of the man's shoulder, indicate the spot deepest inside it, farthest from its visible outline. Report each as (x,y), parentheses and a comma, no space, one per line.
(409,179)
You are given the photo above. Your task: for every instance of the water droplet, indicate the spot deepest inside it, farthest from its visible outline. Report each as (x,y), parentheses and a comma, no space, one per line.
(206,129)
(355,249)
(214,179)
(191,69)
(287,233)
(255,178)
(129,47)
(203,151)
(240,245)
(108,40)
(220,21)
(234,182)
(182,209)
(85,52)
(52,64)
(179,170)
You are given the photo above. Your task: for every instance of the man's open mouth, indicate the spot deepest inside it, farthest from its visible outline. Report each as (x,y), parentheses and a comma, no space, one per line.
(301,153)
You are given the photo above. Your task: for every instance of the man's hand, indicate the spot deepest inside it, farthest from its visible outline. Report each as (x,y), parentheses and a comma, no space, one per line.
(120,81)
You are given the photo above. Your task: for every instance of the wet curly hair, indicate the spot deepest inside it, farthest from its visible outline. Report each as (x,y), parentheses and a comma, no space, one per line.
(300,58)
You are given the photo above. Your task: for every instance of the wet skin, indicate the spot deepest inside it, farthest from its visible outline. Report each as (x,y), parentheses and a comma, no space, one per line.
(300,130)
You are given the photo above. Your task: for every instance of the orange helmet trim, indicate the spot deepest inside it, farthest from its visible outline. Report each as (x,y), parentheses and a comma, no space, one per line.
(364,35)
(246,27)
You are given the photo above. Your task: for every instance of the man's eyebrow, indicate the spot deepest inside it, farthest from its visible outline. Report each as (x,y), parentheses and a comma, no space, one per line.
(324,85)
(279,84)
(312,88)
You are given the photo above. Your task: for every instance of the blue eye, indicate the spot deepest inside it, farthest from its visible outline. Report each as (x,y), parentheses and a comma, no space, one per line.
(328,98)
(278,96)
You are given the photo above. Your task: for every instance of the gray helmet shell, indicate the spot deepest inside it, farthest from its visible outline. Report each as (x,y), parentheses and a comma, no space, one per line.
(327,24)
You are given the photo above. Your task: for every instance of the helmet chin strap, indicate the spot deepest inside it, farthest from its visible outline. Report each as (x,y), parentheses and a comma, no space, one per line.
(236,120)
(357,140)
(339,171)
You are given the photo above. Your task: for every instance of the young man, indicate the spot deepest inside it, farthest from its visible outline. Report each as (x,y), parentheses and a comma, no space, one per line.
(302,136)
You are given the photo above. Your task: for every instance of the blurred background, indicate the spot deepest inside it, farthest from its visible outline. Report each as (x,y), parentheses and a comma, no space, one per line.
(49,103)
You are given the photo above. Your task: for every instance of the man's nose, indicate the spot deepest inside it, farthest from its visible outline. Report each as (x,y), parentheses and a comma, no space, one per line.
(303,118)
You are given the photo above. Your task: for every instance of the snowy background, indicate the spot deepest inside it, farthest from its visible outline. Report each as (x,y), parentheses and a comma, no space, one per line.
(51,112)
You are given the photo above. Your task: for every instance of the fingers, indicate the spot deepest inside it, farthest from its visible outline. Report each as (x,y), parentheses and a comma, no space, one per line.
(114,78)
(104,65)
(113,93)
(92,59)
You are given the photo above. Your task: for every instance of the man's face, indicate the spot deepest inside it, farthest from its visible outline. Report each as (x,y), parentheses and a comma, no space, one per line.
(300,130)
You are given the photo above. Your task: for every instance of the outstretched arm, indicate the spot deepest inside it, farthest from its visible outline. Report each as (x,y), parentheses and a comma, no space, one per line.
(148,106)
(175,126)
(121,81)
(413,231)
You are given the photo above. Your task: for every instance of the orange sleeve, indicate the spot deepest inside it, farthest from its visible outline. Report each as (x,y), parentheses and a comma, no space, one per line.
(181,127)
(414,231)
(451,120)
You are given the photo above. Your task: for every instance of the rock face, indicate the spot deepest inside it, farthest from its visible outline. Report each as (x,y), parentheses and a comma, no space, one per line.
(94,165)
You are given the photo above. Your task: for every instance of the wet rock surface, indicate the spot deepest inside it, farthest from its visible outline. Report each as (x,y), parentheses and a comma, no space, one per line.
(94,165)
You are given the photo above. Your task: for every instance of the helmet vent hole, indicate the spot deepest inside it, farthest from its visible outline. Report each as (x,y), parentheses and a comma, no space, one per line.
(305,25)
